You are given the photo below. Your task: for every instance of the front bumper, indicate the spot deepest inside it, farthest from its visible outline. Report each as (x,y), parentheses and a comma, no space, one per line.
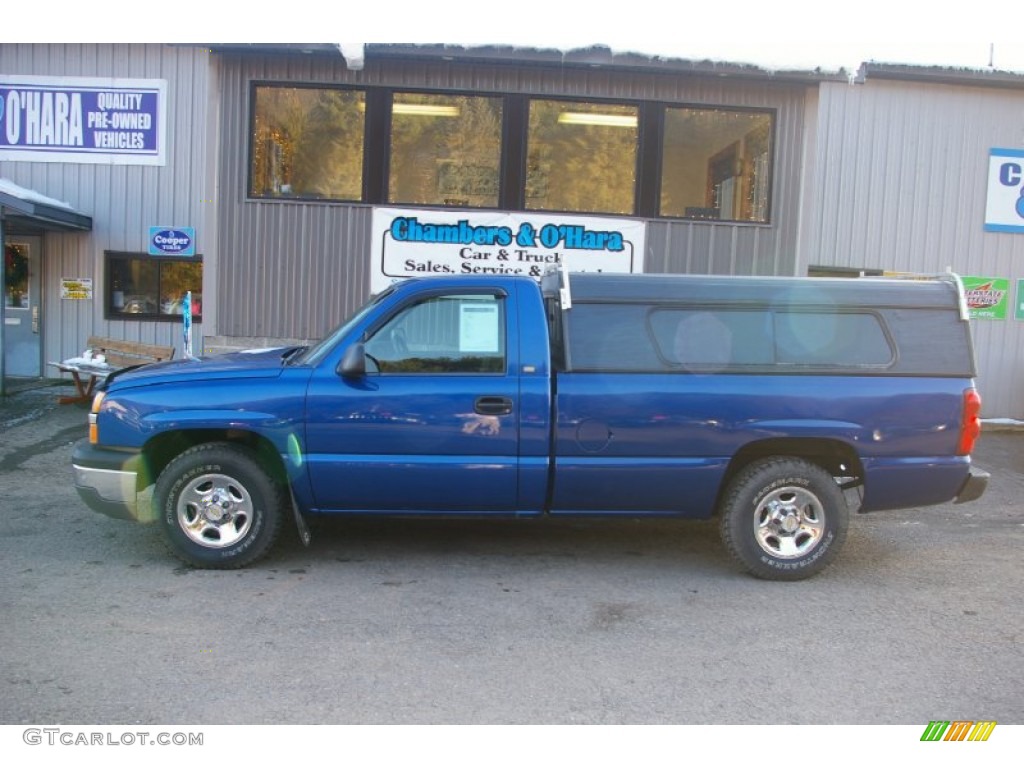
(974,486)
(107,480)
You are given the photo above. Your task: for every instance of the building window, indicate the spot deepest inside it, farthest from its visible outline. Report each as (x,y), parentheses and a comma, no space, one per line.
(445,150)
(141,287)
(511,152)
(581,157)
(307,143)
(716,164)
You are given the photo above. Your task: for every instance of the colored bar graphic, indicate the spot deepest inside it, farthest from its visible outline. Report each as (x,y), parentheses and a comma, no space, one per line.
(958,730)
(982,730)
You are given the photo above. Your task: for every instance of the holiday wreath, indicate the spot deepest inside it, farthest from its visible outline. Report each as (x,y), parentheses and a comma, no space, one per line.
(15,267)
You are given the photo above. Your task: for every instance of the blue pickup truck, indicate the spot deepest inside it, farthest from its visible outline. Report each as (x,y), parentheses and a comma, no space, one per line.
(776,404)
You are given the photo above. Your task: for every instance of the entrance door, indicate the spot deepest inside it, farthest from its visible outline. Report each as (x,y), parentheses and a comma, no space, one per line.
(23,352)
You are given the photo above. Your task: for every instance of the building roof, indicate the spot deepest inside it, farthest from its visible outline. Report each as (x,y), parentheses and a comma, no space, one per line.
(988,78)
(593,57)
(599,56)
(26,211)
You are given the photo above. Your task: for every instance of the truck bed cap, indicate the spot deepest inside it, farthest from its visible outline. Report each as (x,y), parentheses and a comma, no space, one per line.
(774,291)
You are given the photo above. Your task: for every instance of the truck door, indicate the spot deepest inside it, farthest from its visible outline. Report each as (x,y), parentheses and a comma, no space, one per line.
(433,426)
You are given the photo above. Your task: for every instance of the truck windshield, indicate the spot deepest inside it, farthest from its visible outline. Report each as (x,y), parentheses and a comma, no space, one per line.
(315,353)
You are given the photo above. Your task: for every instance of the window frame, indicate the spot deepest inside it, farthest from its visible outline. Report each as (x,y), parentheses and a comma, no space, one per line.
(649,167)
(659,150)
(250,193)
(388,140)
(108,286)
(574,349)
(500,298)
(637,154)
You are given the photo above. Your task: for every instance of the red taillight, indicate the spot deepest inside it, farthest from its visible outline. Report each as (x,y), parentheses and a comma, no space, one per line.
(970,422)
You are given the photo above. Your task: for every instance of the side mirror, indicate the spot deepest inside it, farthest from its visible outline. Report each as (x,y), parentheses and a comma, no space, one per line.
(353,364)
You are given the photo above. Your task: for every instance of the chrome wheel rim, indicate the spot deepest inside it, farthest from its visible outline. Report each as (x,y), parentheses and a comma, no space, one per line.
(215,511)
(789,522)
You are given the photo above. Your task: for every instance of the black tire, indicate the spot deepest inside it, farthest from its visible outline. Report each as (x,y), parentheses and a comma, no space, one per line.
(783,518)
(218,506)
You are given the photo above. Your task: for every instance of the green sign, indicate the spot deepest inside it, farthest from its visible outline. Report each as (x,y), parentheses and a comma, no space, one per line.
(1019,311)
(987,297)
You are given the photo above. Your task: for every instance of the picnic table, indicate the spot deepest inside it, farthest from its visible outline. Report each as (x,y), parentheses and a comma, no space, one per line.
(104,357)
(86,374)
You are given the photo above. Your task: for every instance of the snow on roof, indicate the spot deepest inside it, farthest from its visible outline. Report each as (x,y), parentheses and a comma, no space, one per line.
(8,187)
(966,64)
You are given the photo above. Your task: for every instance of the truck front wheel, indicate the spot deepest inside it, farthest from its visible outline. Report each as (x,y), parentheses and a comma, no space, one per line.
(218,506)
(783,518)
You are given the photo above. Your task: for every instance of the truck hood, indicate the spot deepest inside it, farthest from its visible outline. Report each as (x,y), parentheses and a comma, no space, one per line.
(248,364)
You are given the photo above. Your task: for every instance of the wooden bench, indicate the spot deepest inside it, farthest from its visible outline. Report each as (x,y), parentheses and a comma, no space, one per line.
(118,354)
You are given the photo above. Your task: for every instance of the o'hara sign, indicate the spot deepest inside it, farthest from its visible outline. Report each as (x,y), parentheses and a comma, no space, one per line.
(83,120)
(414,243)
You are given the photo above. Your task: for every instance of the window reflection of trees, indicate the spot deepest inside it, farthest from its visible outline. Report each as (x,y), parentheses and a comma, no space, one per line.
(308,142)
(445,150)
(578,167)
(151,288)
(176,279)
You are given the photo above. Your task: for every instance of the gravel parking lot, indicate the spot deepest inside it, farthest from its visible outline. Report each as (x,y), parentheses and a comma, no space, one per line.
(500,622)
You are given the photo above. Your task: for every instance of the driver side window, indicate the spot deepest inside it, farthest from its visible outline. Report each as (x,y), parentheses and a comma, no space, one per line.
(455,333)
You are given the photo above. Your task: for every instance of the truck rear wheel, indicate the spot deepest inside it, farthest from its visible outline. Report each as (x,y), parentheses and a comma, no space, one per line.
(783,518)
(218,506)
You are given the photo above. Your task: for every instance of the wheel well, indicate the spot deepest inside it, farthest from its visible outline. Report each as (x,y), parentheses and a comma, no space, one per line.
(163,448)
(834,456)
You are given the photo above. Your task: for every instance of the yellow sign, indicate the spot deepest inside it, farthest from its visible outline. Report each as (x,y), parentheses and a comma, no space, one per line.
(76,288)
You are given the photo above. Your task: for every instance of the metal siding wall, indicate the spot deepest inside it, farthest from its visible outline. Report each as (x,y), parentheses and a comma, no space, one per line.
(293,270)
(900,173)
(124,201)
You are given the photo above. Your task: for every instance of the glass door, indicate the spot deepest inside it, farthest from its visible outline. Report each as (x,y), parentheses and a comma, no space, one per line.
(22,307)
